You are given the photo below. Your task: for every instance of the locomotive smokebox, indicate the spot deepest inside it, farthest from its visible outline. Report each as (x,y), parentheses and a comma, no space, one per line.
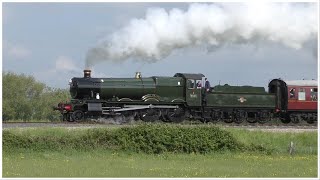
(87,73)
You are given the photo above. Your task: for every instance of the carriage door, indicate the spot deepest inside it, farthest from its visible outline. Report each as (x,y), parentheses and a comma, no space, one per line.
(302,94)
(193,93)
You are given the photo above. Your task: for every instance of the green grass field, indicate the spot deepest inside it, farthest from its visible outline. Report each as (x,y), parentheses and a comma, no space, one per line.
(99,163)
(61,152)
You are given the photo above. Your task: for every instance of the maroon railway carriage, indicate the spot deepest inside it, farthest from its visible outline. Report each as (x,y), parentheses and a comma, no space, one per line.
(296,100)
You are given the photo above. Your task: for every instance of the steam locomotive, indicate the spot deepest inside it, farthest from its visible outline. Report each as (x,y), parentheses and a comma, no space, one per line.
(174,99)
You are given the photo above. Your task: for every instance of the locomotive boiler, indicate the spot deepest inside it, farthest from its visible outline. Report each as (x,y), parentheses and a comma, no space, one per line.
(106,88)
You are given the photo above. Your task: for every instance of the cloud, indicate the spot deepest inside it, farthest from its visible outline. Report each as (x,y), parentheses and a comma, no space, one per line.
(58,75)
(65,64)
(16,51)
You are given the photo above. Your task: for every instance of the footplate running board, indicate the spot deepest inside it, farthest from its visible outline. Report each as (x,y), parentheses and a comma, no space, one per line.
(135,107)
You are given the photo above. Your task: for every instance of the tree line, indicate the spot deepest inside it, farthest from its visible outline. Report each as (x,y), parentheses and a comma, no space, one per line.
(25,98)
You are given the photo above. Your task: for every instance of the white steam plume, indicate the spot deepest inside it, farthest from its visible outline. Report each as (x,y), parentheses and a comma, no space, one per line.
(160,32)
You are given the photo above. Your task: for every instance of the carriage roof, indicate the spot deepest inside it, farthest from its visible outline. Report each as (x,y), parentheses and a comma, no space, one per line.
(302,83)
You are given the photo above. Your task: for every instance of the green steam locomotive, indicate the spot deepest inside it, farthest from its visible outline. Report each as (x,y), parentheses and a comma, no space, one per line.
(170,99)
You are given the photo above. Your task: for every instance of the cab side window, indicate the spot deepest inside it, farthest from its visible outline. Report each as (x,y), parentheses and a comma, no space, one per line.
(314,94)
(199,85)
(191,83)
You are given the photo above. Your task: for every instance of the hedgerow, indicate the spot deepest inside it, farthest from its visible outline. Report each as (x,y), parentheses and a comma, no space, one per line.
(147,138)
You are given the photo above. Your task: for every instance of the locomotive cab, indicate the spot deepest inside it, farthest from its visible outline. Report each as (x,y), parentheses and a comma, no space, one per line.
(192,92)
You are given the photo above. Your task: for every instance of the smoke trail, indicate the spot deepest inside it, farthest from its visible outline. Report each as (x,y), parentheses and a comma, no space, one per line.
(213,25)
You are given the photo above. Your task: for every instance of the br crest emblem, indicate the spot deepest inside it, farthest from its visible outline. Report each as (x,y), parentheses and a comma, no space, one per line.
(242,99)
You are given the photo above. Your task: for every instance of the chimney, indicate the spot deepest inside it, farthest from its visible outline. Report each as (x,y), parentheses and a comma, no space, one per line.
(87,73)
(138,75)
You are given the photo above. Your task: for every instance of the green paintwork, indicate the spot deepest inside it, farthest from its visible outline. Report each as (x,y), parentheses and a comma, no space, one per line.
(126,87)
(170,89)
(178,89)
(156,89)
(238,89)
(193,94)
(243,100)
(240,96)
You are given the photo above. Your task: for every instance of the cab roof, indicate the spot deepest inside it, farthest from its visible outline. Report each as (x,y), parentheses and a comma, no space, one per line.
(189,75)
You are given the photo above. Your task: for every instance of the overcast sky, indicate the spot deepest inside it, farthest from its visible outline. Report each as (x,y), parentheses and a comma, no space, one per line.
(50,41)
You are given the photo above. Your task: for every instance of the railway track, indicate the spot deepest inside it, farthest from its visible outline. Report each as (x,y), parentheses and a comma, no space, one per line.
(269,126)
(275,128)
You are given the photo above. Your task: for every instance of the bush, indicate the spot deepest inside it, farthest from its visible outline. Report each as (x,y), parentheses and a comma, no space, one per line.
(162,138)
(26,99)
(149,138)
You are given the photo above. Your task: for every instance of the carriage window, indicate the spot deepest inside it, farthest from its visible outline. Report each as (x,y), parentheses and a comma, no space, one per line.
(292,92)
(191,83)
(302,94)
(314,94)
